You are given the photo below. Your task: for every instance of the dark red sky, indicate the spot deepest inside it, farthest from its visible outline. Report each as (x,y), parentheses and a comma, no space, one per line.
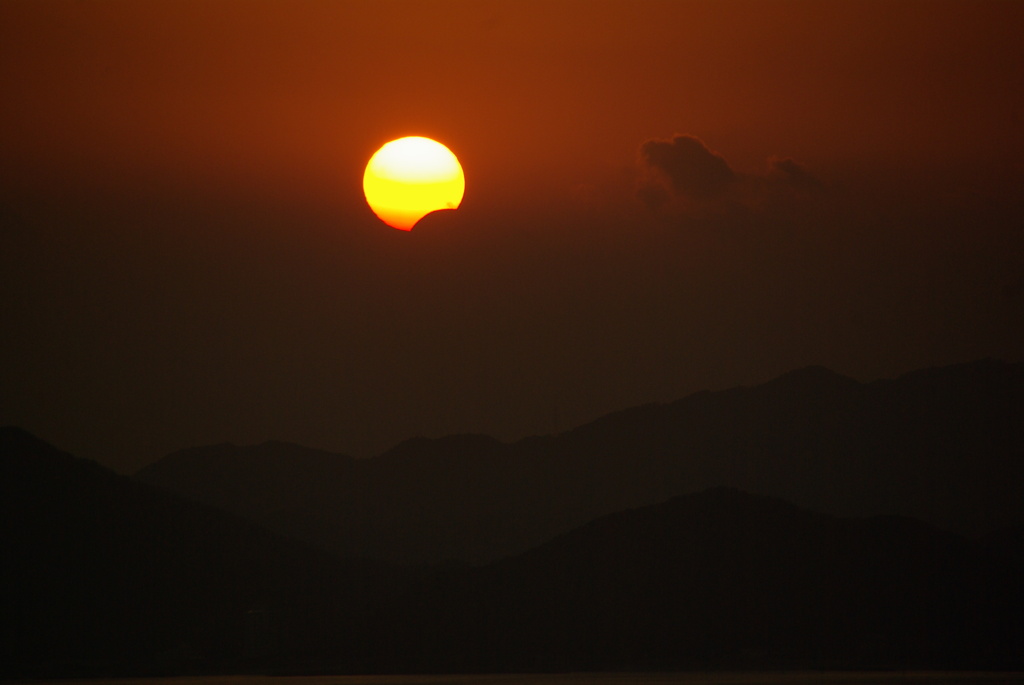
(187,257)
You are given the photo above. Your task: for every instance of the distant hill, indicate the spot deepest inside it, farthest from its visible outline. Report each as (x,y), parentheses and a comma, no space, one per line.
(942,445)
(724,579)
(102,575)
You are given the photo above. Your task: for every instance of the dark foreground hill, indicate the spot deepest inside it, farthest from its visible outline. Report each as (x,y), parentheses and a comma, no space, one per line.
(724,579)
(104,576)
(943,445)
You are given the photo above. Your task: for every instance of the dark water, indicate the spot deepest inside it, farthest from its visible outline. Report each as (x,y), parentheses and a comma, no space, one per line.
(796,678)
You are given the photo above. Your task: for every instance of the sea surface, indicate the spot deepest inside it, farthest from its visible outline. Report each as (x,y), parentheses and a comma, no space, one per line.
(695,678)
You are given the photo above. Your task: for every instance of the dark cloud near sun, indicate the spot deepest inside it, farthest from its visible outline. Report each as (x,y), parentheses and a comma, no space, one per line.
(687,164)
(792,172)
(682,176)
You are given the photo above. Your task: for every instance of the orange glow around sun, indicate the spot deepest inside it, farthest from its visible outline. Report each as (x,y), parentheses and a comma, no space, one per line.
(410,177)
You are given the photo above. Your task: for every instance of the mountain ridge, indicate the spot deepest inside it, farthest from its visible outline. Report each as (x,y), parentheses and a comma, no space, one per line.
(724,579)
(938,444)
(106,576)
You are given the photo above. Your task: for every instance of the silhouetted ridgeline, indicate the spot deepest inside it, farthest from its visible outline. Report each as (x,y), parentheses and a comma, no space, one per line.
(723,579)
(943,445)
(105,576)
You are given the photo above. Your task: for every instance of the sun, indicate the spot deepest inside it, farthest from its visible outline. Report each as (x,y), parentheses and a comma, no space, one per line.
(411,177)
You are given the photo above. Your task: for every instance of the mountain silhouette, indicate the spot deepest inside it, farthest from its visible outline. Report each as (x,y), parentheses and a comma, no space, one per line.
(720,579)
(942,445)
(105,576)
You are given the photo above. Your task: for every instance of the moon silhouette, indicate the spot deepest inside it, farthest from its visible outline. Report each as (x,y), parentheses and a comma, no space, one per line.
(408,178)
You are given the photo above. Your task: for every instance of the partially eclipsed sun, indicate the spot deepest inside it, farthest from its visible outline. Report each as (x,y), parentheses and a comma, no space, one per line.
(411,177)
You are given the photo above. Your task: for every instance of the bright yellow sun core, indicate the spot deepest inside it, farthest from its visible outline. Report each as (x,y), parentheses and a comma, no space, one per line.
(410,177)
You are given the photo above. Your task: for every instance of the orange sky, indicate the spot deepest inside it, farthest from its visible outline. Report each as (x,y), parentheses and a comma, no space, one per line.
(189,258)
(301,91)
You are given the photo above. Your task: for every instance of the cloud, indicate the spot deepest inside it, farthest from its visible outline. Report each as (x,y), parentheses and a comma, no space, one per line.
(793,173)
(690,168)
(681,177)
